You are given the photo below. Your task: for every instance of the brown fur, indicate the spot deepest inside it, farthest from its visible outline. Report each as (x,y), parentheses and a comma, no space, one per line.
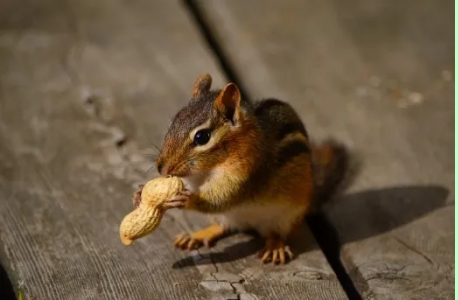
(259,155)
(331,163)
(202,85)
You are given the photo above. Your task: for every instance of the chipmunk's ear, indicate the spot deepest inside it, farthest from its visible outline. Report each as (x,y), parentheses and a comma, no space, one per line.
(228,102)
(203,84)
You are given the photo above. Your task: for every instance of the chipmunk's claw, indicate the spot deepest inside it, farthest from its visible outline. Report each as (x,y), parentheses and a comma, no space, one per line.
(137,198)
(185,192)
(185,241)
(197,239)
(275,251)
(180,200)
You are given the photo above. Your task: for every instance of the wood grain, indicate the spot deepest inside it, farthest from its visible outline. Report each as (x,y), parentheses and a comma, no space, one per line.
(86,89)
(76,78)
(308,276)
(378,76)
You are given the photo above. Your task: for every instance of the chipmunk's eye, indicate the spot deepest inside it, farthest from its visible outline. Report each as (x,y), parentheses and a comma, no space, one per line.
(202,137)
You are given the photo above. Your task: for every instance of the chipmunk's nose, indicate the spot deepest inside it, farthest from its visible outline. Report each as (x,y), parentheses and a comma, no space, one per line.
(164,168)
(160,166)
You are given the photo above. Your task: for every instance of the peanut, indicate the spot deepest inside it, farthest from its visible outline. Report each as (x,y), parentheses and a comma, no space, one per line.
(148,215)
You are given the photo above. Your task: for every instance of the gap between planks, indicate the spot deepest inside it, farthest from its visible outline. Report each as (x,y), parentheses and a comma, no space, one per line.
(322,230)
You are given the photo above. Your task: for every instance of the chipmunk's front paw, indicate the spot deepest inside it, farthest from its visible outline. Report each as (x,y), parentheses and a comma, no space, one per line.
(137,198)
(275,251)
(180,200)
(199,238)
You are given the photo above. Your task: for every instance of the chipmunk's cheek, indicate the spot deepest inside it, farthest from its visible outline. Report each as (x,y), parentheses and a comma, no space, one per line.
(196,167)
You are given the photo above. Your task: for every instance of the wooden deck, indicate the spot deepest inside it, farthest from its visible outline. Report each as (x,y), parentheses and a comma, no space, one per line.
(87,88)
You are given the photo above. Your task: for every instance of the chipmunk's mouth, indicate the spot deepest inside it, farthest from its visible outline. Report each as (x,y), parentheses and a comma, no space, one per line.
(178,170)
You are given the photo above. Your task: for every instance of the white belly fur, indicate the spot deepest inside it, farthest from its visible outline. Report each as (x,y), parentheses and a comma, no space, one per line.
(264,218)
(273,216)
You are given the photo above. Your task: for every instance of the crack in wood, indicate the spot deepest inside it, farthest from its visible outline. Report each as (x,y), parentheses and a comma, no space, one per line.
(332,255)
(414,250)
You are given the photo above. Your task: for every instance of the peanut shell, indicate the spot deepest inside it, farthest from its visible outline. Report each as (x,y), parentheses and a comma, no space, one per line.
(148,215)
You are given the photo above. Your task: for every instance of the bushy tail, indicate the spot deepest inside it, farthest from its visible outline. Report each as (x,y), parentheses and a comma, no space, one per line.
(334,171)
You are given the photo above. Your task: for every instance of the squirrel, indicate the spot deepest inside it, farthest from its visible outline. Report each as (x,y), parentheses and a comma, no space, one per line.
(249,165)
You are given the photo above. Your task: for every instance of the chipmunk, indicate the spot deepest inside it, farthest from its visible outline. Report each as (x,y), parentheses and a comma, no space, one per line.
(248,165)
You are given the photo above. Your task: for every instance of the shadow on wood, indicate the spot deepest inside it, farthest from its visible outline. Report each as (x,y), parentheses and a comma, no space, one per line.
(6,288)
(241,248)
(358,216)
(369,213)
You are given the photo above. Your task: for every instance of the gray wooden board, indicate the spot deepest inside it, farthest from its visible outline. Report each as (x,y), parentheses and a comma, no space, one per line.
(308,276)
(378,76)
(86,89)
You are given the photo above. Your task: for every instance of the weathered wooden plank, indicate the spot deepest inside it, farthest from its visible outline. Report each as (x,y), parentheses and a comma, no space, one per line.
(308,276)
(65,178)
(86,88)
(376,75)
